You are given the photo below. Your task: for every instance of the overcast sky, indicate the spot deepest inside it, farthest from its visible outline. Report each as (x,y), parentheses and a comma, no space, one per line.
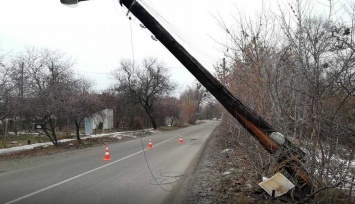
(97,34)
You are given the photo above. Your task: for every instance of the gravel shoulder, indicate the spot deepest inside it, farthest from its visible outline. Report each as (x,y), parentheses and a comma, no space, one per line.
(222,176)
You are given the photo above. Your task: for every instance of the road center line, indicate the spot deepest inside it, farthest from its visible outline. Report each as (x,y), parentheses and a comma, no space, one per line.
(80,175)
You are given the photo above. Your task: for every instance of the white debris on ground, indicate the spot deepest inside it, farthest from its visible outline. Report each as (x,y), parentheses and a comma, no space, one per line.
(25,147)
(118,135)
(227,150)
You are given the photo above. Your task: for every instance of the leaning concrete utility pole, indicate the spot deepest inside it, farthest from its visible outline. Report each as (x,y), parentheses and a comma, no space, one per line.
(291,156)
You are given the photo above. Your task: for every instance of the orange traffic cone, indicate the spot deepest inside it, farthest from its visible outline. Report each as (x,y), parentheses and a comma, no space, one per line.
(107,154)
(150,145)
(181,140)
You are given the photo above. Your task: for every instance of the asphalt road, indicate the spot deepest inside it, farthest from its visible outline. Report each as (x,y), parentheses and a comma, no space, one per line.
(82,176)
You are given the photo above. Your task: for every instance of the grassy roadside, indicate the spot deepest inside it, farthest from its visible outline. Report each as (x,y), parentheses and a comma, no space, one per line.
(70,145)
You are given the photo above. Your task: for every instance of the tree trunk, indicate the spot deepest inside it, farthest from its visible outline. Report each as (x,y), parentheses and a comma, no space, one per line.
(153,121)
(77,128)
(171,122)
(5,134)
(53,132)
(47,133)
(149,111)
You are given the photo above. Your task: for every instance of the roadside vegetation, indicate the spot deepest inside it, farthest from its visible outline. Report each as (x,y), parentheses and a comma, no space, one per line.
(43,99)
(295,67)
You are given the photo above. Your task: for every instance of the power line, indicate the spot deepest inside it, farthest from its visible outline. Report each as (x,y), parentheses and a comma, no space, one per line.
(130,25)
(167,178)
(174,30)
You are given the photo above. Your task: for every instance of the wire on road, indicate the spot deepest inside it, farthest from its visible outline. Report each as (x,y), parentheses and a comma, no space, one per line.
(167,178)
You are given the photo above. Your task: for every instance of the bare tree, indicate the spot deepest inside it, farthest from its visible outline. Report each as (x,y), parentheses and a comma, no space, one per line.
(191,101)
(6,89)
(211,110)
(7,103)
(169,110)
(321,55)
(50,79)
(302,80)
(143,85)
(81,104)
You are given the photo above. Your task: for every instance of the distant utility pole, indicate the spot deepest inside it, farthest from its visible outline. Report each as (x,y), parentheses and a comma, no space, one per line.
(21,82)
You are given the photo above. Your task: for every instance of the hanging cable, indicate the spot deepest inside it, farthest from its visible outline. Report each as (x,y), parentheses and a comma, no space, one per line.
(176,31)
(150,170)
(130,26)
(166,178)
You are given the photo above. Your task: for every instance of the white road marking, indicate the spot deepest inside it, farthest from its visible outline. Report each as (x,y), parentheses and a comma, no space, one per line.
(80,175)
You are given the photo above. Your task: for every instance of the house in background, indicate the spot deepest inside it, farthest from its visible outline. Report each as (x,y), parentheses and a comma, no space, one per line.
(100,120)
